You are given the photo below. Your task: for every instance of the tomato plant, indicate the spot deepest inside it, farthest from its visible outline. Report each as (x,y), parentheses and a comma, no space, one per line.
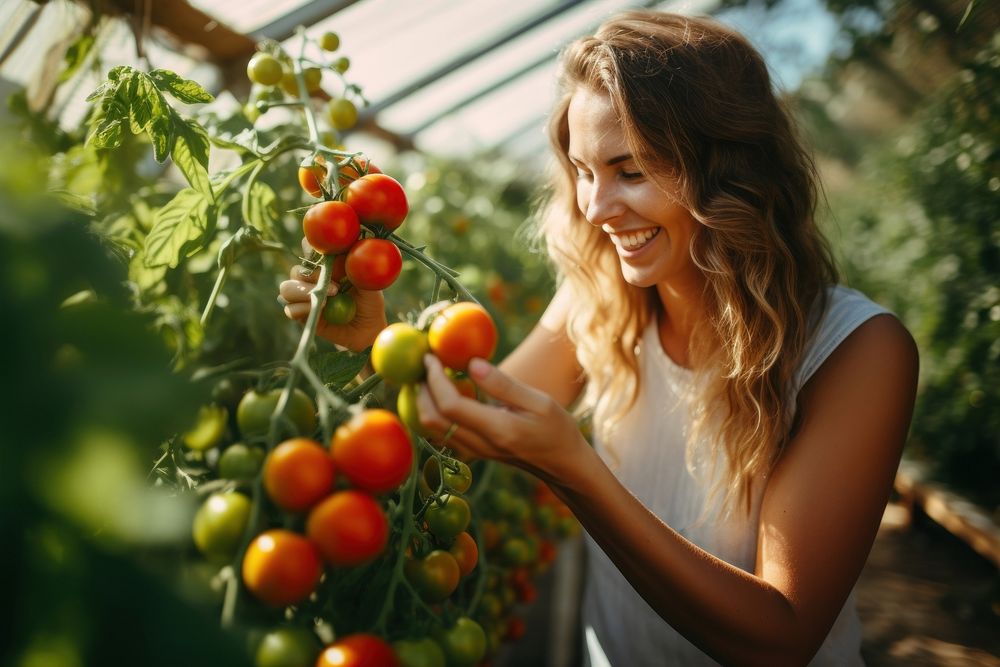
(281,567)
(373,451)
(457,474)
(423,652)
(464,643)
(379,200)
(373,264)
(349,527)
(331,227)
(398,353)
(298,473)
(460,332)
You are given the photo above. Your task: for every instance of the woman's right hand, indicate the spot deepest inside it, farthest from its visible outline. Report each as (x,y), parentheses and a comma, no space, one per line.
(357,334)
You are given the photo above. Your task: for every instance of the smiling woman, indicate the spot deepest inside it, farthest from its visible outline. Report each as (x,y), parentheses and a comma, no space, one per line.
(749,412)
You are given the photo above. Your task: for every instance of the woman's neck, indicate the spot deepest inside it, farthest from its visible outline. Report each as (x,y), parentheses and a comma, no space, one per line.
(682,310)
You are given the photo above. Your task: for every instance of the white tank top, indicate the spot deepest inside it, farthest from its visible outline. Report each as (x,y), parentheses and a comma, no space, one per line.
(620,629)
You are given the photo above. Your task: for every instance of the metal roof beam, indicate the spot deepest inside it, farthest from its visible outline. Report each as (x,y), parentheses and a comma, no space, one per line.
(311,12)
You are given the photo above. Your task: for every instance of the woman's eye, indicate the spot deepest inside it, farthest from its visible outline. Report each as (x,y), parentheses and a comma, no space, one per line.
(631,175)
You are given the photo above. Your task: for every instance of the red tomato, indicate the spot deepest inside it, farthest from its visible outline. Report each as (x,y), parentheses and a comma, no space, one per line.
(338,271)
(358,650)
(379,200)
(466,553)
(331,227)
(373,264)
(281,567)
(460,332)
(515,628)
(298,473)
(373,451)
(349,527)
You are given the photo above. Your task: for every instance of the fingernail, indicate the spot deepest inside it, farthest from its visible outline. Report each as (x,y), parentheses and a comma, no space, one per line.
(479,368)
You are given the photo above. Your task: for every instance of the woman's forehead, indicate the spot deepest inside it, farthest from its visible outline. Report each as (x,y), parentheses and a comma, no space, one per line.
(594,127)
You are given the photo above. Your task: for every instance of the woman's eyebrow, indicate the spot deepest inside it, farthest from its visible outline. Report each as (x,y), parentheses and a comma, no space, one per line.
(613,161)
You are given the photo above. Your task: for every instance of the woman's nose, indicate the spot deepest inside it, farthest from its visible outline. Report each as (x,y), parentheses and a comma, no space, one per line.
(603,203)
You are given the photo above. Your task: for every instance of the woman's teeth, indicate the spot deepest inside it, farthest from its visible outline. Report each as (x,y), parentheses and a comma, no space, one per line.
(634,240)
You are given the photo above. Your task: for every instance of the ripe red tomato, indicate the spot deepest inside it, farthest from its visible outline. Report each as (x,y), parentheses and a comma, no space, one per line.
(460,332)
(331,227)
(466,553)
(281,567)
(379,200)
(435,576)
(358,650)
(312,174)
(349,527)
(298,473)
(373,264)
(373,451)
(398,353)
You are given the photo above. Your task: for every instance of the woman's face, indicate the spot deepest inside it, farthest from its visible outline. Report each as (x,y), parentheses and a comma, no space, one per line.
(650,229)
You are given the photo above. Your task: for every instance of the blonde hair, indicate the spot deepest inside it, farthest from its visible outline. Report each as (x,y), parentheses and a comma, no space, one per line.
(695,102)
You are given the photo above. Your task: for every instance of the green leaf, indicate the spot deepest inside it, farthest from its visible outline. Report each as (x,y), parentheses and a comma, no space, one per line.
(116,73)
(108,134)
(101,90)
(190,154)
(75,55)
(244,142)
(336,367)
(161,133)
(185,90)
(178,226)
(145,103)
(146,278)
(262,212)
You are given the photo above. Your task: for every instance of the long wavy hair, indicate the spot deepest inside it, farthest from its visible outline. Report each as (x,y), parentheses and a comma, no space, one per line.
(696,105)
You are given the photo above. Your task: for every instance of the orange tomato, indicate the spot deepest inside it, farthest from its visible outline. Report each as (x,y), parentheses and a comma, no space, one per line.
(373,451)
(349,527)
(466,552)
(460,332)
(298,473)
(311,175)
(281,567)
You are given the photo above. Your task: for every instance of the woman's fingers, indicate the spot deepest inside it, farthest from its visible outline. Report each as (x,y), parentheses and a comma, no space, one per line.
(298,311)
(506,389)
(303,273)
(295,291)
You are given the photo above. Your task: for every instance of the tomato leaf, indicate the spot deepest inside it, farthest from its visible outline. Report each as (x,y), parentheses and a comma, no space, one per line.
(145,103)
(190,154)
(108,134)
(178,226)
(261,209)
(76,54)
(336,367)
(161,133)
(185,90)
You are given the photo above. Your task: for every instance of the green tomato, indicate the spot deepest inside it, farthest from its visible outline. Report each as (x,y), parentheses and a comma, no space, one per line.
(219,524)
(313,77)
(447,517)
(419,653)
(406,408)
(342,64)
(464,643)
(264,69)
(516,551)
(330,41)
(340,309)
(341,113)
(240,462)
(287,647)
(209,429)
(398,353)
(253,415)
(457,475)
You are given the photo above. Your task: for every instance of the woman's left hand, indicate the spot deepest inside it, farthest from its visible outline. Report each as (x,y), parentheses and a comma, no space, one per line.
(526,428)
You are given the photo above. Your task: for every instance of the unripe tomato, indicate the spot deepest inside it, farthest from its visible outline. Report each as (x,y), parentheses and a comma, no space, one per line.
(435,576)
(219,524)
(288,82)
(342,64)
(466,553)
(358,650)
(373,264)
(373,451)
(264,69)
(341,113)
(464,643)
(349,527)
(398,353)
(340,309)
(460,332)
(240,462)
(330,41)
(298,473)
(423,652)
(379,200)
(447,517)
(287,647)
(406,408)
(457,475)
(312,175)
(253,414)
(313,77)
(281,567)
(209,429)
(331,227)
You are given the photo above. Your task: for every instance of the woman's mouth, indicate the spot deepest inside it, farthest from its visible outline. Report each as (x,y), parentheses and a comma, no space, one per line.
(634,241)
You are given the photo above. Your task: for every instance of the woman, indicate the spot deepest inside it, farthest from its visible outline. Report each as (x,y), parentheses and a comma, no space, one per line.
(749,414)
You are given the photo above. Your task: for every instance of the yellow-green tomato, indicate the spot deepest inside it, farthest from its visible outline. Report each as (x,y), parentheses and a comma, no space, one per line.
(398,353)
(288,647)
(264,69)
(418,653)
(406,408)
(219,524)
(342,113)
(209,429)
(330,41)
(253,414)
(340,309)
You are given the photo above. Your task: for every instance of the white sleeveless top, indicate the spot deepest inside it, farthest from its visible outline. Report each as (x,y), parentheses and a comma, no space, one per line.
(620,629)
